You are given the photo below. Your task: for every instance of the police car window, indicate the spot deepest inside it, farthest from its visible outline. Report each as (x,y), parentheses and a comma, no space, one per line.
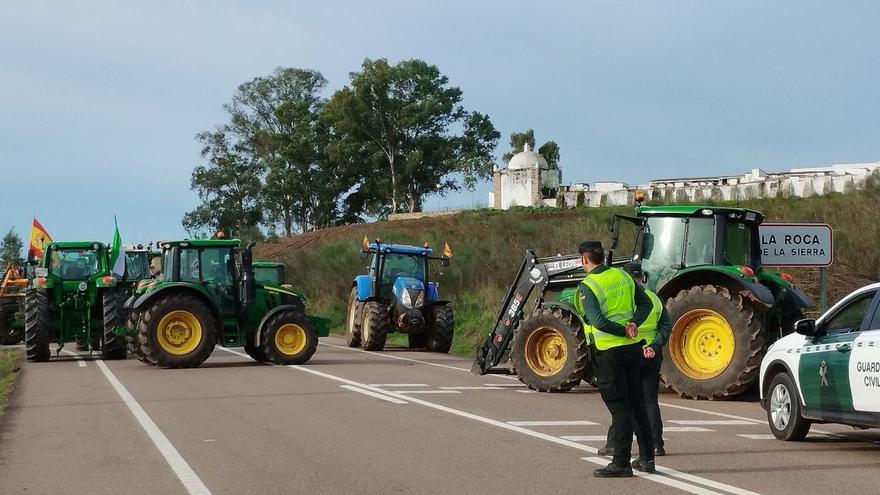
(850,317)
(875,321)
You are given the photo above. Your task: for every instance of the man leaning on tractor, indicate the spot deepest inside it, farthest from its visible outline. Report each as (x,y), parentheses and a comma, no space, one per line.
(613,306)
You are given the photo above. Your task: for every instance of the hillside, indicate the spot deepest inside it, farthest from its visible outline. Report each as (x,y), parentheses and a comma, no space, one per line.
(489,246)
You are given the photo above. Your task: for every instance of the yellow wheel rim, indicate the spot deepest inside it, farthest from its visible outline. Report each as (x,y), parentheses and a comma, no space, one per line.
(290,339)
(702,344)
(545,351)
(179,333)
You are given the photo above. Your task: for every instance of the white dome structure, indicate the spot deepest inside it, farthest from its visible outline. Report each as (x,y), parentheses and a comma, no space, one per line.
(526,159)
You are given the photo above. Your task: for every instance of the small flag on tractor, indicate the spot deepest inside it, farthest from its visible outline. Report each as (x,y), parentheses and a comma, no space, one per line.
(39,237)
(447,251)
(366,243)
(117,253)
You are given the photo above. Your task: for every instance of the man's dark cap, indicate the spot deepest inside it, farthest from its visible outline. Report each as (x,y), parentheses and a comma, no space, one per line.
(590,247)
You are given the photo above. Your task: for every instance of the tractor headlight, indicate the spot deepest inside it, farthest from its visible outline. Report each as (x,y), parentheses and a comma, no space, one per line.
(405,299)
(82,286)
(420,300)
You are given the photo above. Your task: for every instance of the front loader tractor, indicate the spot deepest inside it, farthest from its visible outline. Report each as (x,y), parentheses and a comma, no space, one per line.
(208,295)
(397,296)
(74,298)
(704,262)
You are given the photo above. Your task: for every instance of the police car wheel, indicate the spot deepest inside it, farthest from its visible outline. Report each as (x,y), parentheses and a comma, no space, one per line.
(784,410)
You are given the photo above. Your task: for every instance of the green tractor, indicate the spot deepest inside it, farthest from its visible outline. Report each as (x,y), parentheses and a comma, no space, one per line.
(137,270)
(208,295)
(704,262)
(74,298)
(270,273)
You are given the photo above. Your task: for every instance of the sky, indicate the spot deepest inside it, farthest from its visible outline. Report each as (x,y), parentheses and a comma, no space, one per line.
(100,101)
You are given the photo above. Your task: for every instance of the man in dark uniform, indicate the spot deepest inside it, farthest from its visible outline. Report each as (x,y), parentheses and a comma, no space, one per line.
(613,306)
(655,333)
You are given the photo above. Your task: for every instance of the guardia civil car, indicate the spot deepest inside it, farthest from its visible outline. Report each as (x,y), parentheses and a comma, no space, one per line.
(828,371)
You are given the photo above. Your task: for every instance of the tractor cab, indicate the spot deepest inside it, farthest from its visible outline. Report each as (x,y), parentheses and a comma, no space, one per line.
(399,273)
(137,263)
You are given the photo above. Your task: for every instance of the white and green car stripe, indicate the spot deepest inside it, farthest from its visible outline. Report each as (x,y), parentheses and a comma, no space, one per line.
(829,371)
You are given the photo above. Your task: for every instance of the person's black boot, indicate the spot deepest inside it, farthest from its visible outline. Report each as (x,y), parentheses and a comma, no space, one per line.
(644,466)
(614,471)
(606,450)
(661,450)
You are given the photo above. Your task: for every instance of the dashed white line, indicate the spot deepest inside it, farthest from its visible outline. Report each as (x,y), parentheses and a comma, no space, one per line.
(689,487)
(585,438)
(373,394)
(553,423)
(505,384)
(527,391)
(399,384)
(685,429)
(408,392)
(79,360)
(190,480)
(712,413)
(710,422)
(399,358)
(763,436)
(484,387)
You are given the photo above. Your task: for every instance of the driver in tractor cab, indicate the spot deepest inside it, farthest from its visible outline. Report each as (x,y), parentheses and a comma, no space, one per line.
(613,306)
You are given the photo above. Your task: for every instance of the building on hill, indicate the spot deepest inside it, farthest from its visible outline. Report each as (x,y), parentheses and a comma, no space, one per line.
(527,181)
(519,186)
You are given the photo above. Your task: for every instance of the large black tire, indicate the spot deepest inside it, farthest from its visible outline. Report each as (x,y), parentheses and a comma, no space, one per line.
(559,333)
(114,345)
(748,342)
(148,331)
(442,328)
(375,326)
(37,325)
(132,344)
(784,410)
(294,326)
(354,319)
(9,335)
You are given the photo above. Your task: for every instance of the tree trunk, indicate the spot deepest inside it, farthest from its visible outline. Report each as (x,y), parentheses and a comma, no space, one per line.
(393,184)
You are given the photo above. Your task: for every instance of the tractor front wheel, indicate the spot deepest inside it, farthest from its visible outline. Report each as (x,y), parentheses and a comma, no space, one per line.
(354,320)
(36,325)
(550,352)
(288,337)
(114,345)
(375,326)
(442,329)
(177,331)
(716,345)
(254,350)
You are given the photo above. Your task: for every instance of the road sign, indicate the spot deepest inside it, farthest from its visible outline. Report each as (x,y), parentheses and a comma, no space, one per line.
(796,244)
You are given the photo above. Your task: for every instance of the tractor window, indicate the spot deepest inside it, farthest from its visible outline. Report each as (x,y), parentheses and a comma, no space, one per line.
(216,267)
(268,275)
(661,249)
(189,265)
(73,263)
(738,243)
(402,265)
(137,266)
(700,242)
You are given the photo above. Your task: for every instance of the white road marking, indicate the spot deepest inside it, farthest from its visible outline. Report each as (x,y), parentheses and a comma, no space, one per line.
(190,480)
(79,360)
(484,387)
(710,422)
(687,487)
(692,488)
(553,423)
(400,358)
(427,392)
(373,394)
(505,384)
(713,413)
(586,438)
(399,384)
(763,436)
(527,391)
(680,429)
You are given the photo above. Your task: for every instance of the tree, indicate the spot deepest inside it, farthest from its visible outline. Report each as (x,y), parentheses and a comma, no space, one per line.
(10,249)
(549,150)
(228,186)
(399,119)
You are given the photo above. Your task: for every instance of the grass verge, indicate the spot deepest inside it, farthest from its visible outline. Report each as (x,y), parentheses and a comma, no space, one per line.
(10,361)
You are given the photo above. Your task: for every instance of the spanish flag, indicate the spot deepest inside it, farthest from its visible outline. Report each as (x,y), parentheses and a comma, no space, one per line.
(39,237)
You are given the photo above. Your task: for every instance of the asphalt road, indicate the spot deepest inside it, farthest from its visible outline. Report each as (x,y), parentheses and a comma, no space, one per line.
(393,422)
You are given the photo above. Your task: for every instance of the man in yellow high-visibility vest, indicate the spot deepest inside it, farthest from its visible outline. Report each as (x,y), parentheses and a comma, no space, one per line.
(613,306)
(655,333)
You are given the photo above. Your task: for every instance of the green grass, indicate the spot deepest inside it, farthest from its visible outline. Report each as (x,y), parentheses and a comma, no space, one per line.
(9,362)
(489,247)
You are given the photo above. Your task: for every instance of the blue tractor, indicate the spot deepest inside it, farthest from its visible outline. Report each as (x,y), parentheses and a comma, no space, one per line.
(396,296)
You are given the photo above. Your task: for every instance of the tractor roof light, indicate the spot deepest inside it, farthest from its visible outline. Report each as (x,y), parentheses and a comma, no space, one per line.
(747,271)
(640,196)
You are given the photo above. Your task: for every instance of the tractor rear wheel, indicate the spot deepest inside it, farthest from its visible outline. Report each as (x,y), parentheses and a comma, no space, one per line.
(177,331)
(288,337)
(716,345)
(36,325)
(550,351)
(114,345)
(354,320)
(132,344)
(375,326)
(442,329)
(9,335)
